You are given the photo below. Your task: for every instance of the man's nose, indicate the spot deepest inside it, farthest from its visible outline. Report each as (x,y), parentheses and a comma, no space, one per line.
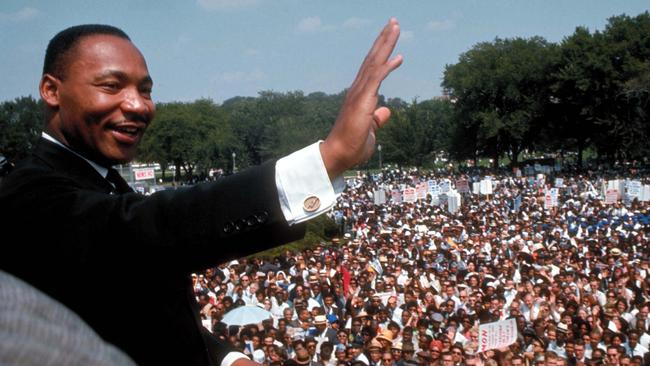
(137,105)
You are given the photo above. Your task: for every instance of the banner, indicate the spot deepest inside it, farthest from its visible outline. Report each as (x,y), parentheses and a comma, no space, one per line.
(143,174)
(486,186)
(379,196)
(396,196)
(421,190)
(645,196)
(476,187)
(634,189)
(432,186)
(497,335)
(611,196)
(548,200)
(462,186)
(445,186)
(409,195)
(453,201)
(554,196)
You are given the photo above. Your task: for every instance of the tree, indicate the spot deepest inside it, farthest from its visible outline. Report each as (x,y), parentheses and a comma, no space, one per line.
(21,123)
(600,89)
(500,92)
(416,132)
(192,136)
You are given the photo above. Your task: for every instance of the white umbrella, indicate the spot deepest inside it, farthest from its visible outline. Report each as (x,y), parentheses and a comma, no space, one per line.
(244,315)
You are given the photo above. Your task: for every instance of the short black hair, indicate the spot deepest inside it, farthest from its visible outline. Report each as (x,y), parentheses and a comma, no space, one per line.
(60,45)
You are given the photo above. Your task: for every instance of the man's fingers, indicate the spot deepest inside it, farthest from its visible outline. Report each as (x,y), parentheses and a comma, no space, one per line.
(388,45)
(379,42)
(381,116)
(381,48)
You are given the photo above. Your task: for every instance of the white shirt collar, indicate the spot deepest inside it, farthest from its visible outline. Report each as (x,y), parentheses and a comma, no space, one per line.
(100,169)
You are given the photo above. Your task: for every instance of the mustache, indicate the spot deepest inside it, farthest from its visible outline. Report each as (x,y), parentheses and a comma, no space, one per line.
(136,117)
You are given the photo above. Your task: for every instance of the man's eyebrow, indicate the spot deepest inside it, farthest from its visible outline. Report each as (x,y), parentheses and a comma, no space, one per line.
(122,76)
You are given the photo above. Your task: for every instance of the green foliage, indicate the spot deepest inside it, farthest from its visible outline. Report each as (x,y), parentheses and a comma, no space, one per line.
(193,136)
(500,93)
(416,131)
(21,123)
(276,124)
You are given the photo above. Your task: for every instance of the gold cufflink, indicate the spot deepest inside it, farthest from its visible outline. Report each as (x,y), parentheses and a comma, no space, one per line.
(311,204)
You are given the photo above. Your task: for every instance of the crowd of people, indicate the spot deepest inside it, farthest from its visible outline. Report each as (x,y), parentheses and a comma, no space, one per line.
(409,283)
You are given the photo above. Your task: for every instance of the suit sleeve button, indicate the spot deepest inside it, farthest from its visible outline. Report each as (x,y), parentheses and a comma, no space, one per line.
(228,227)
(262,217)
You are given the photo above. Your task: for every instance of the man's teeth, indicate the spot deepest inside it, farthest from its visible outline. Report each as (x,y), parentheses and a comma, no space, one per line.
(130,130)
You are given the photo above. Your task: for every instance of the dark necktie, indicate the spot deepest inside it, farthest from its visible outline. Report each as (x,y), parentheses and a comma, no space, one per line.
(120,184)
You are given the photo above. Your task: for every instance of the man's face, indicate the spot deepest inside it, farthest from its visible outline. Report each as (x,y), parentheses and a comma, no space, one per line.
(579,351)
(288,314)
(612,356)
(102,105)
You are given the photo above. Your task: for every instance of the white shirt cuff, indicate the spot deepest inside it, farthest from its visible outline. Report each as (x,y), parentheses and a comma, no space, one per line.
(232,357)
(303,184)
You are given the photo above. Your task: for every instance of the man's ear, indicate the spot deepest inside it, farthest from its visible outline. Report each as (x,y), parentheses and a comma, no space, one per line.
(49,90)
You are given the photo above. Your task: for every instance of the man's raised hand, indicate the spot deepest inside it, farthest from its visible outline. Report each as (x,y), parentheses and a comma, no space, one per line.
(352,139)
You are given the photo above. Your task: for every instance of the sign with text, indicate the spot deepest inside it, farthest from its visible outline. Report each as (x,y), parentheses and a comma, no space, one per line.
(548,200)
(396,196)
(462,186)
(486,186)
(422,189)
(453,201)
(144,174)
(554,196)
(445,186)
(497,335)
(611,196)
(409,195)
(379,196)
(476,187)
(432,186)
(634,189)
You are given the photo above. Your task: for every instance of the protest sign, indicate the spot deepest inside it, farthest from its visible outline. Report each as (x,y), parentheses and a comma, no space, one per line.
(421,190)
(611,196)
(634,188)
(645,196)
(431,185)
(379,196)
(462,186)
(409,195)
(548,200)
(445,186)
(476,187)
(396,196)
(497,335)
(453,201)
(554,196)
(486,186)
(559,182)
(144,174)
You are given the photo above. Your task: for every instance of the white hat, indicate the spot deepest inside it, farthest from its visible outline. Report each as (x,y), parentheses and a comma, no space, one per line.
(258,356)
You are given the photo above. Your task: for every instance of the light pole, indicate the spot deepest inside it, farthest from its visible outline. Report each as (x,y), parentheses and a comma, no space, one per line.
(234,169)
(379,150)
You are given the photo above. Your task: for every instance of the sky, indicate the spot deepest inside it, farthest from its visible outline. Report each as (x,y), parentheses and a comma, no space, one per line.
(220,49)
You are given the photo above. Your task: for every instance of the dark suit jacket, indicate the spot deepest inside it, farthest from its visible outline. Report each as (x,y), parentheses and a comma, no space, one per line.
(122,262)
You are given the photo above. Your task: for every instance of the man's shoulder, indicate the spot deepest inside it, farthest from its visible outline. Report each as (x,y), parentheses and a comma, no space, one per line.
(32,174)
